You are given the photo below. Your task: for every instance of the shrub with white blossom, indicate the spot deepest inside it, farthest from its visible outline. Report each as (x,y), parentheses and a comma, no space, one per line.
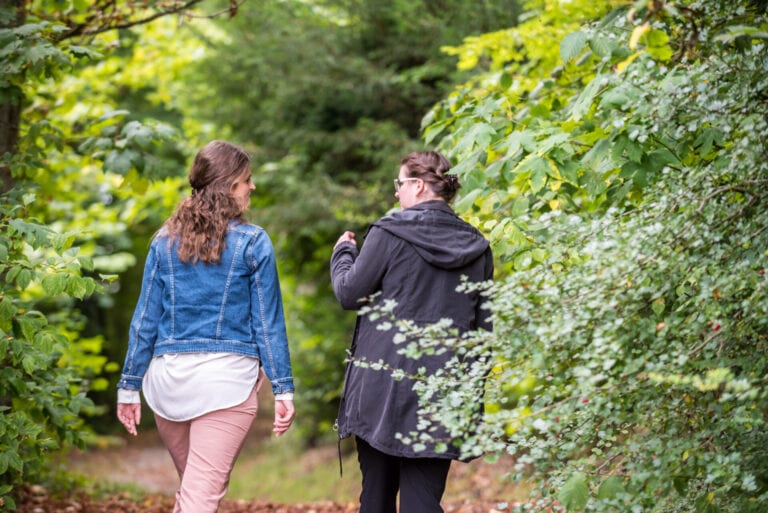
(624,188)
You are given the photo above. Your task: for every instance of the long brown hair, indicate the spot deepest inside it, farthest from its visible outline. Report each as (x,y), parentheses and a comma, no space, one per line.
(199,224)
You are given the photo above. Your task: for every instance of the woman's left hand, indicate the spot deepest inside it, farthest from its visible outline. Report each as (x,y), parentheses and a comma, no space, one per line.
(284,414)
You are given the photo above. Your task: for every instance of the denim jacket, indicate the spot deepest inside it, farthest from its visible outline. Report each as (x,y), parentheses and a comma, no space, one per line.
(233,306)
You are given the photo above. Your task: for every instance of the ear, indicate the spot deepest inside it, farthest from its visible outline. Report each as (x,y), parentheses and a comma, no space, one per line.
(422,188)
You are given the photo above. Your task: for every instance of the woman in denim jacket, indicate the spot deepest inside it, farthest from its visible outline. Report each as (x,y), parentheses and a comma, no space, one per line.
(208,324)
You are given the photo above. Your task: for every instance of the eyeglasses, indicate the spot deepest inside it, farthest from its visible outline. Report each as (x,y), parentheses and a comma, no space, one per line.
(399,182)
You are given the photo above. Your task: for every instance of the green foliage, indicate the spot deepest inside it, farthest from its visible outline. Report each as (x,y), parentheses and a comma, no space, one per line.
(622,178)
(76,169)
(43,398)
(28,53)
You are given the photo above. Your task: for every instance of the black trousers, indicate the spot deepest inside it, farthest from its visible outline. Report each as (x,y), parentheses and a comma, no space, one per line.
(421,481)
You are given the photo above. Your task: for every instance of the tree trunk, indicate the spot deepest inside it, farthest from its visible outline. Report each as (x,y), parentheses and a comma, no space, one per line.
(10,105)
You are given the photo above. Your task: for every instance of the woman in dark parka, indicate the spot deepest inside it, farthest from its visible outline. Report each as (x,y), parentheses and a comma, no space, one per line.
(416,257)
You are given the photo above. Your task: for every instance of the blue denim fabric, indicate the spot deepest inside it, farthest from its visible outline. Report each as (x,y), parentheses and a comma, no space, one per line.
(234,306)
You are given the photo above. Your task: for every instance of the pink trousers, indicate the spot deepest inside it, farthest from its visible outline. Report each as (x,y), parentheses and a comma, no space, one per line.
(204,451)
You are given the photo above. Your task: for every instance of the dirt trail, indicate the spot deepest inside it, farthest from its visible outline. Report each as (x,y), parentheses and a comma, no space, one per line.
(144,462)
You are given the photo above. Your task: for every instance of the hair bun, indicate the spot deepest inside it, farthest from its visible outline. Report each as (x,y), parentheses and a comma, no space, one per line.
(452,181)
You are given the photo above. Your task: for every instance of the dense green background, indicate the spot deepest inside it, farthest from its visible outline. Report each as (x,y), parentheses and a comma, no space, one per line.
(612,151)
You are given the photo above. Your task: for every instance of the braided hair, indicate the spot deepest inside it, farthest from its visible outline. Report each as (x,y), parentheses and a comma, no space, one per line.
(432,167)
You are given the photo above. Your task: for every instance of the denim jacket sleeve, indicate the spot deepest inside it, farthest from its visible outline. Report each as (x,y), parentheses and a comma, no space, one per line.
(267,315)
(144,324)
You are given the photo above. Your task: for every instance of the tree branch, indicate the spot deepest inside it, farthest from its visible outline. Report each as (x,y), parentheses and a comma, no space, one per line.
(83,29)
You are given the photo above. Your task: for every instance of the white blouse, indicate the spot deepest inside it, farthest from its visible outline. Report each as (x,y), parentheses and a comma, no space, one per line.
(183,386)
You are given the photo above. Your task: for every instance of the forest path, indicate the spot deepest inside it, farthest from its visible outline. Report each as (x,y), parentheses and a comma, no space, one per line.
(142,462)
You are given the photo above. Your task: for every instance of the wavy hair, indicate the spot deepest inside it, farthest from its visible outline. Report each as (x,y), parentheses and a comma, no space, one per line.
(200,222)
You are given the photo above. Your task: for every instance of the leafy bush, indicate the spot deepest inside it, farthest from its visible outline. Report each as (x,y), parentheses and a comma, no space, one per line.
(53,212)
(624,190)
(41,399)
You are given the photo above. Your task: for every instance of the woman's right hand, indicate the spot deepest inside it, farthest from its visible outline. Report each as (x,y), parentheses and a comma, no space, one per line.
(129,415)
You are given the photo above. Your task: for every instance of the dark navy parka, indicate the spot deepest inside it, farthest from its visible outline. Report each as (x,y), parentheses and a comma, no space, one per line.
(416,257)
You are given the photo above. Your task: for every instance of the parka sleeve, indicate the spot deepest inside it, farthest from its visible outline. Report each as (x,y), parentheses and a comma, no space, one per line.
(144,324)
(355,276)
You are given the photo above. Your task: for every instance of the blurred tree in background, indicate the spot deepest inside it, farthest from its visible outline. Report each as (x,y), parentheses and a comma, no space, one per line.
(329,96)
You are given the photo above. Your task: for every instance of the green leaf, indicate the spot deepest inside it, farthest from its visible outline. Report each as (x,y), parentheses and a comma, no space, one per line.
(614,98)
(681,485)
(593,183)
(602,46)
(661,53)
(76,287)
(7,311)
(580,107)
(635,151)
(572,45)
(137,133)
(29,326)
(14,461)
(505,81)
(657,159)
(24,279)
(113,114)
(84,51)
(54,284)
(706,139)
(538,176)
(610,487)
(119,162)
(12,273)
(520,139)
(435,129)
(569,171)
(637,173)
(520,206)
(656,37)
(574,493)
(465,202)
(523,260)
(34,234)
(29,363)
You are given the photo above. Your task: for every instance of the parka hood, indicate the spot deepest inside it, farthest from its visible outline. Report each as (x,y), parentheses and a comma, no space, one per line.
(437,234)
